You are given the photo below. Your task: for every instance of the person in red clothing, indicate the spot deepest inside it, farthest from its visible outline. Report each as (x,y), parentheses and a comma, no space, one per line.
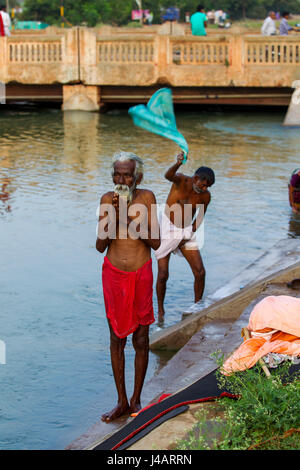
(2,31)
(294,191)
(6,21)
(128,229)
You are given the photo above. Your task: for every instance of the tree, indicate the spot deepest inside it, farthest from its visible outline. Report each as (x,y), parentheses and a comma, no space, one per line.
(118,12)
(90,12)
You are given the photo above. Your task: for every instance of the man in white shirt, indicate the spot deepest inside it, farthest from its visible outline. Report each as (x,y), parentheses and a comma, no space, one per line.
(269,26)
(6,21)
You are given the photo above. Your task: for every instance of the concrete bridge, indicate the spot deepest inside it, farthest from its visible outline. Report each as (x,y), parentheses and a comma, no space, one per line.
(84,67)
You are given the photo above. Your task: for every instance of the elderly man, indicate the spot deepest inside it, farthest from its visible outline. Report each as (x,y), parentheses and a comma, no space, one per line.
(128,228)
(269,26)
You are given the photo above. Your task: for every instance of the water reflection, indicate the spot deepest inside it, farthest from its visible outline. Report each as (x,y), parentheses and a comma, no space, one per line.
(238,161)
(5,196)
(80,137)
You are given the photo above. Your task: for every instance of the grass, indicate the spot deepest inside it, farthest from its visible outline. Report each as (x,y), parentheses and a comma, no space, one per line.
(266,416)
(255,24)
(133,24)
(249,24)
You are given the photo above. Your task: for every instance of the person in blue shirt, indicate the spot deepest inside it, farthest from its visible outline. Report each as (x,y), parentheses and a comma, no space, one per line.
(284,27)
(199,22)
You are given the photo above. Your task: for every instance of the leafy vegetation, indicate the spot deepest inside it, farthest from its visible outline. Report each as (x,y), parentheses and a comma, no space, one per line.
(266,416)
(93,12)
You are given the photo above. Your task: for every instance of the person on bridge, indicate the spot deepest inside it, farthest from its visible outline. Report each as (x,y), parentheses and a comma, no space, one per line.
(199,22)
(182,216)
(127,272)
(284,26)
(211,16)
(269,26)
(5,20)
(294,191)
(2,32)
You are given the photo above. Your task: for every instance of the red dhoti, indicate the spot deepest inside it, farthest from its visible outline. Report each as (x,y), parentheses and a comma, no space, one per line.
(128,297)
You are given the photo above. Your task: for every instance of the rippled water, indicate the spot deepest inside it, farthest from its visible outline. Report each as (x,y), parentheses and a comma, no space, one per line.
(57,379)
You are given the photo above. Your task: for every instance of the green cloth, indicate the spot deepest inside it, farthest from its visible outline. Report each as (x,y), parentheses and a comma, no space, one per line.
(158,117)
(197,22)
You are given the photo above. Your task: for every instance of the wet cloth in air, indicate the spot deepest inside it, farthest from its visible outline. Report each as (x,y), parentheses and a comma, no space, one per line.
(158,117)
(171,236)
(274,324)
(128,297)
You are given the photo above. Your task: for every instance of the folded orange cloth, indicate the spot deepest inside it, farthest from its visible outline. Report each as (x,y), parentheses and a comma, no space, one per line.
(280,312)
(275,326)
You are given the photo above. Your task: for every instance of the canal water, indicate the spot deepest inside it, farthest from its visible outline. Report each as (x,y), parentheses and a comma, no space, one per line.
(54,166)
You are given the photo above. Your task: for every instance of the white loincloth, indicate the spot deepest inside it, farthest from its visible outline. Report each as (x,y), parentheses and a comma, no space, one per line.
(171,236)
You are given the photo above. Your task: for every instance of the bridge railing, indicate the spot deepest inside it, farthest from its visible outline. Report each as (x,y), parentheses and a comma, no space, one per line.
(39,59)
(43,50)
(191,51)
(83,55)
(128,50)
(272,51)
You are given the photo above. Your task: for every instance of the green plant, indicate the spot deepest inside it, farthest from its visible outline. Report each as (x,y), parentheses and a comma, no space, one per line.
(133,24)
(265,416)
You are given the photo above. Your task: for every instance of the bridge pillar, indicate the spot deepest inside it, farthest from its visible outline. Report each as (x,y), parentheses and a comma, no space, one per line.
(81,98)
(292,117)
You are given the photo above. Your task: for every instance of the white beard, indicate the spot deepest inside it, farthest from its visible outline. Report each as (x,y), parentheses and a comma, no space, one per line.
(124,191)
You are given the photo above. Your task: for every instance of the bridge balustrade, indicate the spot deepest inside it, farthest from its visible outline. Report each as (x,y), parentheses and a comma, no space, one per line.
(195,52)
(82,55)
(35,52)
(128,51)
(276,51)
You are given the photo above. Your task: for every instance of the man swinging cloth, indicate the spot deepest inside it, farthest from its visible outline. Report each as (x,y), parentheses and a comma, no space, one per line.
(178,228)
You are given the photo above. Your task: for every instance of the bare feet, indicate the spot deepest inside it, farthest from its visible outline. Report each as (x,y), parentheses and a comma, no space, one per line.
(119,410)
(135,406)
(161,317)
